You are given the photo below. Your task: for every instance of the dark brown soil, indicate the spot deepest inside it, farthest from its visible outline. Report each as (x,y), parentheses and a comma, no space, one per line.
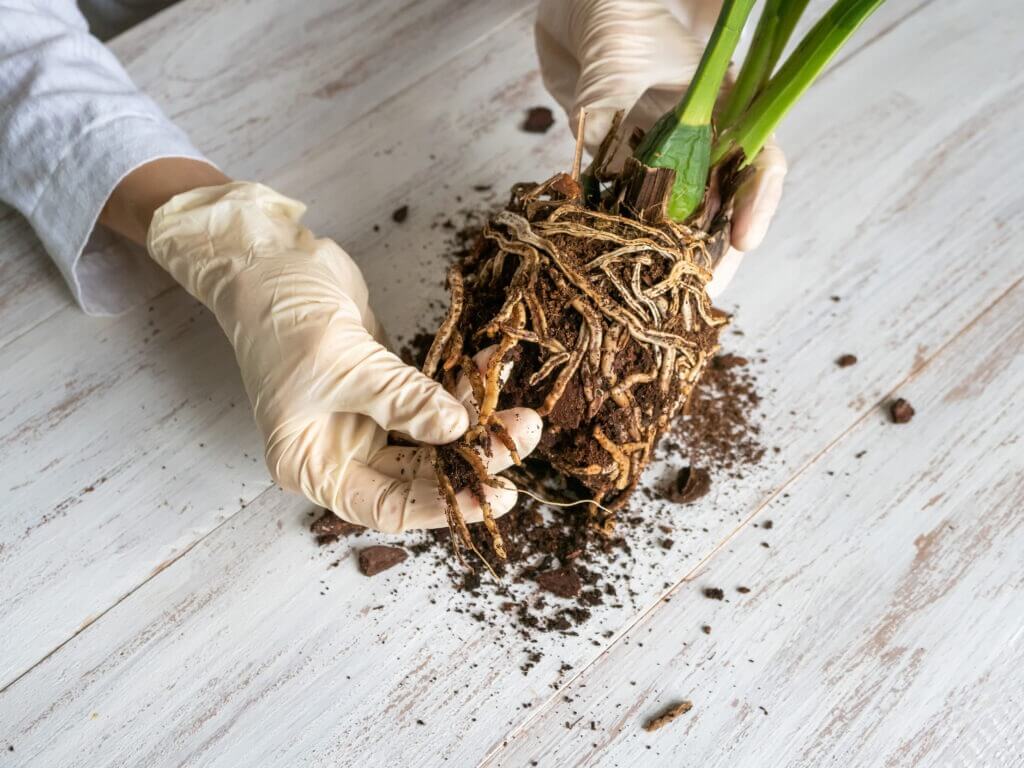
(901,411)
(668,715)
(713,593)
(538,120)
(400,214)
(564,582)
(328,528)
(845,361)
(378,558)
(717,429)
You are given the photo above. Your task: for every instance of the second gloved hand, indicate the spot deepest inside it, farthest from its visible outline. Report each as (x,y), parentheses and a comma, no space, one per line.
(324,390)
(638,56)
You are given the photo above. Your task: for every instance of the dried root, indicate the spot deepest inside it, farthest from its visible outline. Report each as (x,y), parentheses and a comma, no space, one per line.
(607,319)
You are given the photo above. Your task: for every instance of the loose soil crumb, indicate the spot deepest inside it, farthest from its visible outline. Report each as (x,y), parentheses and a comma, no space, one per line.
(328,528)
(714,593)
(400,214)
(538,120)
(376,559)
(667,716)
(901,411)
(845,361)
(706,629)
(743,590)
(563,582)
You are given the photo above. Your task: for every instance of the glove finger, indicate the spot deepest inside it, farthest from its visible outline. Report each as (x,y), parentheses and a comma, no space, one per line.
(757,198)
(397,396)
(724,272)
(375,500)
(558,67)
(625,50)
(523,425)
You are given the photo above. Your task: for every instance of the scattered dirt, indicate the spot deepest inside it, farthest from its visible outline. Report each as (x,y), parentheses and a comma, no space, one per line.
(713,593)
(718,429)
(845,361)
(716,437)
(538,120)
(901,411)
(378,558)
(668,715)
(767,525)
(328,528)
(706,629)
(400,214)
(743,590)
(563,582)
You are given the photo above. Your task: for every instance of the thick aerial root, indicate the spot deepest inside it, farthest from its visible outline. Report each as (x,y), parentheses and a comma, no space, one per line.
(609,308)
(437,348)
(472,458)
(618,456)
(456,522)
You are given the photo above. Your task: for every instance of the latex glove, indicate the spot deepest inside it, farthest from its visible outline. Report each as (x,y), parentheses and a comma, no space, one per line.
(636,55)
(324,389)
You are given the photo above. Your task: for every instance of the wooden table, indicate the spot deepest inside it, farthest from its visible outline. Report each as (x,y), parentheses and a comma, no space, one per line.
(162,601)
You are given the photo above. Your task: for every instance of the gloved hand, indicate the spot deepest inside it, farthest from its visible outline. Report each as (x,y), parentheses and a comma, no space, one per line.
(636,55)
(324,390)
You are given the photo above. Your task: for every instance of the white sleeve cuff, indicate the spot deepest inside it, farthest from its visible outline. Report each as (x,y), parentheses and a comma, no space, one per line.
(107,274)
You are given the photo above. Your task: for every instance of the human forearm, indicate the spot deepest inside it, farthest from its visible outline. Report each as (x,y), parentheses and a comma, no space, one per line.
(72,127)
(130,207)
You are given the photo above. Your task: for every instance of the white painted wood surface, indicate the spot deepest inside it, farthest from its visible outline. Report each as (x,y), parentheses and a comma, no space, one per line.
(894,639)
(172,614)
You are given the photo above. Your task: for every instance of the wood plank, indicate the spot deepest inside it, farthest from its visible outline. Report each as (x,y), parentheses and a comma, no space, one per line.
(883,625)
(120,440)
(254,86)
(245,663)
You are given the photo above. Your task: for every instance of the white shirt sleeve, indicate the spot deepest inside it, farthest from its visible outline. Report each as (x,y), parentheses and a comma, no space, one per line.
(72,125)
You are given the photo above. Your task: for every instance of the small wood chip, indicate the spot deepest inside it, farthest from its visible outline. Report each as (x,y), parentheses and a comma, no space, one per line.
(901,411)
(845,361)
(538,120)
(376,559)
(670,714)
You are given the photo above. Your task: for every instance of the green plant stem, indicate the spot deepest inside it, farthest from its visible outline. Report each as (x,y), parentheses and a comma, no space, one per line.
(795,76)
(789,14)
(681,139)
(778,18)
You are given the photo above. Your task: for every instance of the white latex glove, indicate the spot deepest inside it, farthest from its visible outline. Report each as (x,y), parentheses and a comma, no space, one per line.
(324,390)
(636,55)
